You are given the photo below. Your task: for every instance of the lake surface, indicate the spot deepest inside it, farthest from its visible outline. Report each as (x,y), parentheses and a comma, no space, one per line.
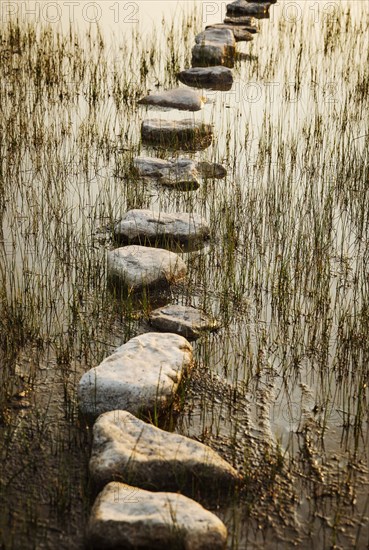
(281,390)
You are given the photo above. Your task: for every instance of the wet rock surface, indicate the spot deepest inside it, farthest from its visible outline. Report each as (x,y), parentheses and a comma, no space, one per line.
(130,450)
(185,320)
(141,375)
(180,173)
(135,267)
(213,78)
(187,133)
(181,98)
(214,47)
(148,227)
(126,517)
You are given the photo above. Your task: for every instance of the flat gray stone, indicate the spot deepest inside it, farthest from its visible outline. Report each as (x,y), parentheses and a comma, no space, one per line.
(241,34)
(127,449)
(212,78)
(214,47)
(186,133)
(141,375)
(180,98)
(185,320)
(135,267)
(146,226)
(258,10)
(181,174)
(126,517)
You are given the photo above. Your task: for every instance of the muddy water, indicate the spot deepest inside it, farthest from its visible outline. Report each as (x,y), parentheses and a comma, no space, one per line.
(276,389)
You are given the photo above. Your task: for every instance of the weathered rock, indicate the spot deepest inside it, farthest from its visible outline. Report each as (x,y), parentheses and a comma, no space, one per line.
(185,320)
(248,22)
(187,133)
(126,517)
(148,227)
(212,78)
(241,34)
(259,10)
(141,375)
(181,98)
(211,170)
(214,47)
(127,449)
(181,173)
(137,267)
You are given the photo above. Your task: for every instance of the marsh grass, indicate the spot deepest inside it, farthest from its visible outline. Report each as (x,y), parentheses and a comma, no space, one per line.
(281,389)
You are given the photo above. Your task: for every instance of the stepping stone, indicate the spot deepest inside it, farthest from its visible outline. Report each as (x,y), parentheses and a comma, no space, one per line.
(185,320)
(241,34)
(187,133)
(148,227)
(185,100)
(126,517)
(181,174)
(247,22)
(212,78)
(211,170)
(214,47)
(127,449)
(258,10)
(137,267)
(141,375)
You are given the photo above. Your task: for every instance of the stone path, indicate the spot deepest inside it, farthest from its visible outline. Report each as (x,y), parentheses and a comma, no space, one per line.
(144,374)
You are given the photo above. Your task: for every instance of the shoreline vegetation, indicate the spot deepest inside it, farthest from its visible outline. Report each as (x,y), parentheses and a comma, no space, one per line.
(280,390)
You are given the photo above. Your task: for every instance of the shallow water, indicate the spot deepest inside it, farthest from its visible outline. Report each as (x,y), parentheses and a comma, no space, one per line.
(282,388)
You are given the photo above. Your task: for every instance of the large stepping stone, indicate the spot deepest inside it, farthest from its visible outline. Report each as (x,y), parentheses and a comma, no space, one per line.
(214,47)
(155,228)
(185,320)
(126,517)
(259,10)
(212,78)
(137,267)
(141,375)
(181,174)
(241,34)
(186,133)
(127,449)
(182,99)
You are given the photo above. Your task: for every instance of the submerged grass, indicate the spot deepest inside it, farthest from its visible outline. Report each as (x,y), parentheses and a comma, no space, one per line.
(282,388)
